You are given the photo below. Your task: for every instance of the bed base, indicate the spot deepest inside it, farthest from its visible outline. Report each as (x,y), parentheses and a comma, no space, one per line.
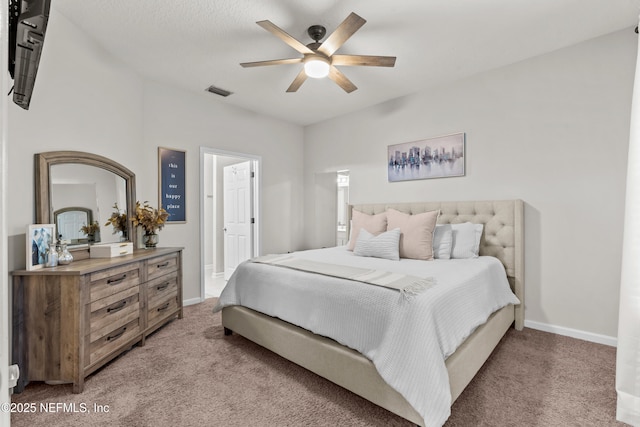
(351,370)
(503,238)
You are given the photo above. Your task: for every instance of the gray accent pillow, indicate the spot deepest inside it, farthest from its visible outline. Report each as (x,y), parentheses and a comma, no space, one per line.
(385,245)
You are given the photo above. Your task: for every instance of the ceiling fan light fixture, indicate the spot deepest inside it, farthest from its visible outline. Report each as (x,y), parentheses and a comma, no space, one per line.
(316,67)
(318,57)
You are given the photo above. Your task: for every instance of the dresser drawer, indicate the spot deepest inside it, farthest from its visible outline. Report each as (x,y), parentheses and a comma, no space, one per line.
(71,320)
(113,340)
(113,312)
(113,280)
(162,286)
(162,308)
(157,267)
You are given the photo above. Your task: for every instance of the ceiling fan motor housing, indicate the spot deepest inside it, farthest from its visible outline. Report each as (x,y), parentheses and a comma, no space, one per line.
(317,32)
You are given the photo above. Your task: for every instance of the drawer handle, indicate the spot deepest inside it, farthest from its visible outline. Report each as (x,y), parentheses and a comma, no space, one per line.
(116,336)
(164,307)
(118,280)
(117,308)
(163,265)
(162,287)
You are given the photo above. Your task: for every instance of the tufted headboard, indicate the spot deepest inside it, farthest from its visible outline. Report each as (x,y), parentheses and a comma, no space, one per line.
(502,237)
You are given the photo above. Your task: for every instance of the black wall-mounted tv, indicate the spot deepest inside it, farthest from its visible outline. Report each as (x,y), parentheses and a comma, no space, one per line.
(27,25)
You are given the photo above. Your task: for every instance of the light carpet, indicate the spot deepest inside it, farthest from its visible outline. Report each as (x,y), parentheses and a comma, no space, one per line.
(190,374)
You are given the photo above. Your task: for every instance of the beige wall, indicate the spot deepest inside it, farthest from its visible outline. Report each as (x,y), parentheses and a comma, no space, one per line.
(552,130)
(86,100)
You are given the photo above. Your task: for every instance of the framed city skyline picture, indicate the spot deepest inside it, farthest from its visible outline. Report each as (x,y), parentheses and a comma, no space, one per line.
(439,157)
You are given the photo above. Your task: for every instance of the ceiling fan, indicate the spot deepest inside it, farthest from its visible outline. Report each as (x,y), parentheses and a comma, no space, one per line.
(318,57)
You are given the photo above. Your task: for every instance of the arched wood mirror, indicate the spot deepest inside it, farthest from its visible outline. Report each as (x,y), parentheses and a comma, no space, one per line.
(65,179)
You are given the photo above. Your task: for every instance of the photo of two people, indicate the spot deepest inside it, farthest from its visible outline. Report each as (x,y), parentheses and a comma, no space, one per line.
(40,236)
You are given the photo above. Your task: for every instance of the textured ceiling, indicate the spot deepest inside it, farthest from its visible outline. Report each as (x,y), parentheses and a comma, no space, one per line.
(192,44)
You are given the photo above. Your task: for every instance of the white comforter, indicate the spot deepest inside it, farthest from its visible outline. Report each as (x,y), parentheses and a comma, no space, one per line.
(407,340)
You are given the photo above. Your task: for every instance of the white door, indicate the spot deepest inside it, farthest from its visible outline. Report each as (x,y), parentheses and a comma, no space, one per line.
(238,210)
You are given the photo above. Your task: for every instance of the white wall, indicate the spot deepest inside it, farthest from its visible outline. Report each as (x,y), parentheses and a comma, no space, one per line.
(5,316)
(83,100)
(552,131)
(86,100)
(176,119)
(208,211)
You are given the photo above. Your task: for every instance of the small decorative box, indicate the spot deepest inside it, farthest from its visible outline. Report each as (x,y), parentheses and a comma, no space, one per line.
(110,250)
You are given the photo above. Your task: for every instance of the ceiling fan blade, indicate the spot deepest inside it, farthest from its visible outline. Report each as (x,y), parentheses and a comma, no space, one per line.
(365,60)
(297,82)
(284,36)
(342,80)
(271,62)
(341,34)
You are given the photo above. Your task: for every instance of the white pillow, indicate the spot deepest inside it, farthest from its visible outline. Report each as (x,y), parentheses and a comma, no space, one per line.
(466,240)
(385,245)
(442,241)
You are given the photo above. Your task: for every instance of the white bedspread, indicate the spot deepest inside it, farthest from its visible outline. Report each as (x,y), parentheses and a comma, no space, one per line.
(407,340)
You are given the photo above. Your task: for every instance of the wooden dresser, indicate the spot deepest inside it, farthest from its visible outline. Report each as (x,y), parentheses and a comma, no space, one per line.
(70,320)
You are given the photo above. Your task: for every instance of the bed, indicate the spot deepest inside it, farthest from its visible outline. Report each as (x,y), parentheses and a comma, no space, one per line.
(502,239)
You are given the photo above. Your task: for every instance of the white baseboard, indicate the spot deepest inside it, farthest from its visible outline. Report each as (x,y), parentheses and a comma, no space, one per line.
(192,301)
(573,333)
(209,271)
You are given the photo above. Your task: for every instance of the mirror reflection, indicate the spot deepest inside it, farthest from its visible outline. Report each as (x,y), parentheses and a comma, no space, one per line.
(69,222)
(82,195)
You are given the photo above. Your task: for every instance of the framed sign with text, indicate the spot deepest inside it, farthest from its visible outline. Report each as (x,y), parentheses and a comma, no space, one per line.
(172,180)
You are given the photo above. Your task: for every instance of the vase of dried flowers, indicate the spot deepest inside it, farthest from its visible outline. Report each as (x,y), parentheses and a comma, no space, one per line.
(151,220)
(92,231)
(150,240)
(118,220)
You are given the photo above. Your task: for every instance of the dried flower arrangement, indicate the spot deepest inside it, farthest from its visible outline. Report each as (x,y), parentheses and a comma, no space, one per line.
(90,229)
(150,219)
(118,220)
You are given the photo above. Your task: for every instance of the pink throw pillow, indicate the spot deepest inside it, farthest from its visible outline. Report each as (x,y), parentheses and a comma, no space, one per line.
(416,238)
(374,224)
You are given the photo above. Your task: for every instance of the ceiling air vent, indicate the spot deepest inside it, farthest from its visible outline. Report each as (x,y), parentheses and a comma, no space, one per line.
(218,91)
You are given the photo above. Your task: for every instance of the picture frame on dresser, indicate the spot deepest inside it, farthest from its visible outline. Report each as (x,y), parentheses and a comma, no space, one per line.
(38,239)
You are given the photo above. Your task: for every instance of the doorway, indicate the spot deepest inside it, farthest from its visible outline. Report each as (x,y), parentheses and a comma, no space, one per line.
(229,217)
(331,194)
(342,208)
